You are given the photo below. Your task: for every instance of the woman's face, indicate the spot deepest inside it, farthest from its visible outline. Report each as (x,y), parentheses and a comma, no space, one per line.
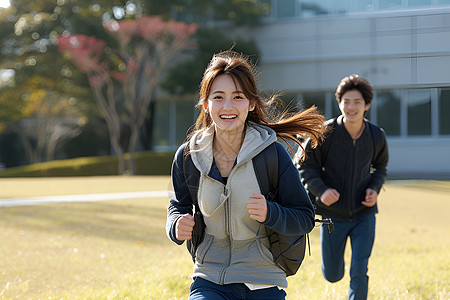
(227,105)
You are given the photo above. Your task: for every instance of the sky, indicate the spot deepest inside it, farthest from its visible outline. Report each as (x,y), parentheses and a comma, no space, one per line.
(4,3)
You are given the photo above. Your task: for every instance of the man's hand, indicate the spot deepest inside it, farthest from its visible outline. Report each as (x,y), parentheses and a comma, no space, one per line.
(371,198)
(330,196)
(184,227)
(257,207)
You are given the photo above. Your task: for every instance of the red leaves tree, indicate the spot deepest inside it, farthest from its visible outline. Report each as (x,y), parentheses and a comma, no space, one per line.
(123,79)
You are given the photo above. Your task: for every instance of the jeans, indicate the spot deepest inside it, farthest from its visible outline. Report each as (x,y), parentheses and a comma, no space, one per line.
(362,236)
(202,289)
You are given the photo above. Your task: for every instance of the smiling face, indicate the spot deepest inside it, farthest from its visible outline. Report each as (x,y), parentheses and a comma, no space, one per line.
(227,105)
(353,106)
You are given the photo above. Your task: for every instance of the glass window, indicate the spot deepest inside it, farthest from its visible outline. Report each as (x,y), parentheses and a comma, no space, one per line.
(390,4)
(444,112)
(335,110)
(317,99)
(311,8)
(362,6)
(288,101)
(161,127)
(414,3)
(341,7)
(184,119)
(388,111)
(419,112)
(285,8)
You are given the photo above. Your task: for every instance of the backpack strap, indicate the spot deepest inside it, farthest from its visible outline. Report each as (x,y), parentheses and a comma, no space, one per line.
(329,141)
(266,170)
(192,178)
(377,137)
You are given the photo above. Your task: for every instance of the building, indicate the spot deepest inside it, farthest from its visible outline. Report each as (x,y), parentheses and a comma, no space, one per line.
(401,46)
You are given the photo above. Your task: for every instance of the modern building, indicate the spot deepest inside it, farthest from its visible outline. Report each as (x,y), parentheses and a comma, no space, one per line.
(401,46)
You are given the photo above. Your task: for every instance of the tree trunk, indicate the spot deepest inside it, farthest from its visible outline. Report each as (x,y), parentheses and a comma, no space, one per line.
(25,142)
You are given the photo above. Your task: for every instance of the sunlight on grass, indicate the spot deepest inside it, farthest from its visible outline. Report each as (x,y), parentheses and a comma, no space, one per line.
(118,249)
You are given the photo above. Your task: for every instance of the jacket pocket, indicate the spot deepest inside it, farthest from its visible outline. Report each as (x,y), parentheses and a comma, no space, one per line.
(264,250)
(203,248)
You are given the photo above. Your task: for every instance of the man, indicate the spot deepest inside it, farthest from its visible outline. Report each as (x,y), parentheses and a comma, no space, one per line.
(343,177)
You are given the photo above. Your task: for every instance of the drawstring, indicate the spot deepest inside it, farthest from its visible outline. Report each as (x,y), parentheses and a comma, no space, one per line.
(257,232)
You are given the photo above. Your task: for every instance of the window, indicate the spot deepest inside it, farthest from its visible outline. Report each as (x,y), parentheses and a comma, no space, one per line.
(388,111)
(184,119)
(286,8)
(313,8)
(390,4)
(335,110)
(317,99)
(161,127)
(415,3)
(444,112)
(419,112)
(362,6)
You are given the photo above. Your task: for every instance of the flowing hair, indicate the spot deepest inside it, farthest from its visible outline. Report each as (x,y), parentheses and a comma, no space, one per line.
(287,124)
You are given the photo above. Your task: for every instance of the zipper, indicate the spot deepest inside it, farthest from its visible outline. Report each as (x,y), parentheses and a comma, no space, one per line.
(228,229)
(352,187)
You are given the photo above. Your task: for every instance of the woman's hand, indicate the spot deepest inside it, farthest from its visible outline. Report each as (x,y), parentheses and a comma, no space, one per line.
(257,207)
(184,227)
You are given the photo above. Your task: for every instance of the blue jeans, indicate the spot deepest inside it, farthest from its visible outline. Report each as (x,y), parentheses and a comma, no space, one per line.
(362,236)
(202,289)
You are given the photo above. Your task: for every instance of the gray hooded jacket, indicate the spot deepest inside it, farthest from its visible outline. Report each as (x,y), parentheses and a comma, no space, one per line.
(235,248)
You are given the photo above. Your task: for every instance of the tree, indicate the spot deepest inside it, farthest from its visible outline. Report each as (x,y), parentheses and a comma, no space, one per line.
(42,119)
(44,94)
(184,78)
(29,33)
(145,46)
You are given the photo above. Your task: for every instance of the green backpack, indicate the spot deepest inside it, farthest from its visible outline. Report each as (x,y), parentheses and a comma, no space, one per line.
(287,251)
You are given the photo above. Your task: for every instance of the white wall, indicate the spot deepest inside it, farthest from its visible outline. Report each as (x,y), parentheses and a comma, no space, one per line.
(419,158)
(395,50)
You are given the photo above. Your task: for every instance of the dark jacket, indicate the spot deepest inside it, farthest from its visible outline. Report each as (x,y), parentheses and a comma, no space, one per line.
(347,165)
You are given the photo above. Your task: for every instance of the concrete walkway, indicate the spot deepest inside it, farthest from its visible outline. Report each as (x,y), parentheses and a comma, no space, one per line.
(82,198)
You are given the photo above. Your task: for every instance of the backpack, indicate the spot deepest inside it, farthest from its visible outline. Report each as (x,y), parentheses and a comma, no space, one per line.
(287,251)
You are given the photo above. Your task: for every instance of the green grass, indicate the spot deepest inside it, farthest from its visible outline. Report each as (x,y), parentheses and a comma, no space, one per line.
(118,249)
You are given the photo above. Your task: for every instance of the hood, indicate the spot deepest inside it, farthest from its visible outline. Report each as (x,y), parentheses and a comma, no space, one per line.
(257,138)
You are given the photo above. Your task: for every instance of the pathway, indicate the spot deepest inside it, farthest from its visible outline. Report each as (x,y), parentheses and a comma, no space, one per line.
(82,198)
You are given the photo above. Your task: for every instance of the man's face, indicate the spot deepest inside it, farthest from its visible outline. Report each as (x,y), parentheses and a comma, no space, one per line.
(353,106)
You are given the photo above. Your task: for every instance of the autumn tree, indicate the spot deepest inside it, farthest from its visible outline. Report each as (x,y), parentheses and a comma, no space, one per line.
(122,79)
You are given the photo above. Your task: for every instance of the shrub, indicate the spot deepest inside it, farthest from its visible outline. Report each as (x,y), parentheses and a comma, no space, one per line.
(147,163)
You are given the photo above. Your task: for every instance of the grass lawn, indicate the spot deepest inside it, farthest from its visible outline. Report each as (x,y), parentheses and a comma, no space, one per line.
(118,249)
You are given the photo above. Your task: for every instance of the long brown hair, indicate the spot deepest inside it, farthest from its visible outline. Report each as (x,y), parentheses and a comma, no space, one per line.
(287,125)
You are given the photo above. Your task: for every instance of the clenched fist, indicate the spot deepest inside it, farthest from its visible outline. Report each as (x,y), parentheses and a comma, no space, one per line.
(330,196)
(257,207)
(184,227)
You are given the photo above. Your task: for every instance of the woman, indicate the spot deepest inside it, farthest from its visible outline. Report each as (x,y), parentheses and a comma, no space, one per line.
(234,261)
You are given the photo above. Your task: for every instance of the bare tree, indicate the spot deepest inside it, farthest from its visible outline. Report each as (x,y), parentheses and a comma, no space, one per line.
(43,120)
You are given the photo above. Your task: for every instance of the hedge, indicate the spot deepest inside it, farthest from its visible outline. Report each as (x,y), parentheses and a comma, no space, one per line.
(147,163)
